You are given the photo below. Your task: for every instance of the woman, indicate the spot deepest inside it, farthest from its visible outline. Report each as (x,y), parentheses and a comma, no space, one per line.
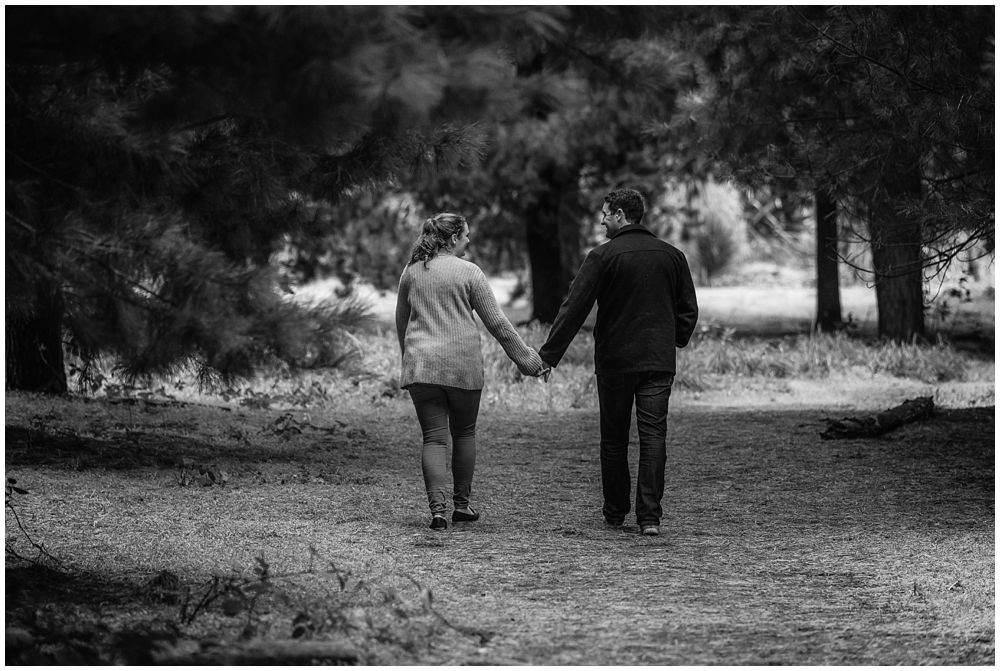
(442,359)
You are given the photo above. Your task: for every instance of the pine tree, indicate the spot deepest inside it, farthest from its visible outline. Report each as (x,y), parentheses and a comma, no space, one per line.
(575,127)
(156,155)
(886,110)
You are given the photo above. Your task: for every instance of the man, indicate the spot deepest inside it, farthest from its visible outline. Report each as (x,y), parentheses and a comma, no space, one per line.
(646,309)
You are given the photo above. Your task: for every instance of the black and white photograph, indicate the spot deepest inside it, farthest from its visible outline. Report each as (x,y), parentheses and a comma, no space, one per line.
(500,335)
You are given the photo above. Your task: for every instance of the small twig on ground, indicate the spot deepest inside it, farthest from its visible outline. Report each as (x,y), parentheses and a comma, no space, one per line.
(41,553)
(427,599)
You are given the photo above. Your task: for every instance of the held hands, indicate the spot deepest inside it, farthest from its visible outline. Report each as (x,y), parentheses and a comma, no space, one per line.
(543,371)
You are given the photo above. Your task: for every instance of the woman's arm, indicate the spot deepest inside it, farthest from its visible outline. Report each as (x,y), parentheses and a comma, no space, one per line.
(402,310)
(496,322)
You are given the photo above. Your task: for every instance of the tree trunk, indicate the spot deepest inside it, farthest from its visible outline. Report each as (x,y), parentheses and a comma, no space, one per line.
(897,259)
(553,238)
(828,312)
(546,270)
(34,356)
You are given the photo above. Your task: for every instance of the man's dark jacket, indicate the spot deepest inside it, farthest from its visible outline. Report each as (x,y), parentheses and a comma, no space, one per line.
(646,305)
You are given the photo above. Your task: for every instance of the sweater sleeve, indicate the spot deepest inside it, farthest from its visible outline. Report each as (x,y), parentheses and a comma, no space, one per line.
(402,310)
(496,322)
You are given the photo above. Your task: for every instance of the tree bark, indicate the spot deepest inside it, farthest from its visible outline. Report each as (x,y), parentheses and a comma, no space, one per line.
(553,239)
(898,263)
(34,356)
(546,271)
(828,310)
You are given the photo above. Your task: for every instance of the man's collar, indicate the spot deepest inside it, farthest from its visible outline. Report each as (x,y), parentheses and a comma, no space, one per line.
(631,227)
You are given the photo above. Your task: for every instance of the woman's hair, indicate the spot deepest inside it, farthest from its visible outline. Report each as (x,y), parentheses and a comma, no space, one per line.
(436,233)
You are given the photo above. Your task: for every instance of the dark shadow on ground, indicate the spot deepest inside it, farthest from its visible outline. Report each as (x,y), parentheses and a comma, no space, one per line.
(936,473)
(30,446)
(745,467)
(43,609)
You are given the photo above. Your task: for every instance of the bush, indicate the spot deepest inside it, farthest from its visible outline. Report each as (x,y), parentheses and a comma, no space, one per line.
(714,227)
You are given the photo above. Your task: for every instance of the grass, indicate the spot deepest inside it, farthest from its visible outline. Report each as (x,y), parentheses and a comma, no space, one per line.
(778,547)
(820,356)
(715,361)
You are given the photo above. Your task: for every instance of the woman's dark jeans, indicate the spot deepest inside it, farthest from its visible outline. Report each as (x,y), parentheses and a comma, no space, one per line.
(442,411)
(650,392)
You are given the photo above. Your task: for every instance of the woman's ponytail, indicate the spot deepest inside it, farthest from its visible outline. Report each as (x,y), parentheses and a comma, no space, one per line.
(436,233)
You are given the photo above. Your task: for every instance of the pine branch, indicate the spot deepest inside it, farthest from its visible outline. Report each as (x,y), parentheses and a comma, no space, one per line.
(42,173)
(20,222)
(822,32)
(211,121)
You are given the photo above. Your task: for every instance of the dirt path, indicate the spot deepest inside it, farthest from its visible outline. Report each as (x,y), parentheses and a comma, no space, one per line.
(777,547)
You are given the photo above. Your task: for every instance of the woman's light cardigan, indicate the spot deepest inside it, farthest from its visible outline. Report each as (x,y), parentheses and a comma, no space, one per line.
(438,334)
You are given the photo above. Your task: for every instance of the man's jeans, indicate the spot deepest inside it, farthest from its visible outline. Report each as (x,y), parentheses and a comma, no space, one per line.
(650,390)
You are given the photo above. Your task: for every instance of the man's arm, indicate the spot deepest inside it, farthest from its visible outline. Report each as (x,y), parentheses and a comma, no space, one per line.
(686,307)
(573,311)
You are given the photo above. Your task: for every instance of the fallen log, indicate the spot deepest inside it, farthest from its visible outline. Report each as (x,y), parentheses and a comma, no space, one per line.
(292,652)
(912,410)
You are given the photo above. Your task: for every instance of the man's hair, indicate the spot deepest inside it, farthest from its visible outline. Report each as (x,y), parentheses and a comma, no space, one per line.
(630,201)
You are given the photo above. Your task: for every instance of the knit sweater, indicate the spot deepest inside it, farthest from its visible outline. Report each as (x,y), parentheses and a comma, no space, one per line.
(438,335)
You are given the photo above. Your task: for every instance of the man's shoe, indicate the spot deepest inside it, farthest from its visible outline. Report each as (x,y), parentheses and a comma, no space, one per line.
(650,530)
(459,516)
(438,522)
(613,523)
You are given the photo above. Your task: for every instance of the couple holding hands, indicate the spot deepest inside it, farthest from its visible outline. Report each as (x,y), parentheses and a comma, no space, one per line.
(646,309)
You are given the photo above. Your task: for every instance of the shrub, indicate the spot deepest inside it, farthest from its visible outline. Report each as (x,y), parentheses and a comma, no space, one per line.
(721,236)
